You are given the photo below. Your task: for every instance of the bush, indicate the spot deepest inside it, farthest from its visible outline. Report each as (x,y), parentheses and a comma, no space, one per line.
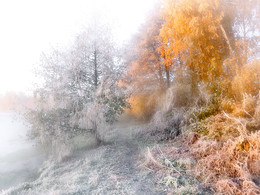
(247,107)
(228,105)
(55,124)
(142,106)
(174,108)
(247,80)
(249,104)
(257,108)
(231,167)
(217,127)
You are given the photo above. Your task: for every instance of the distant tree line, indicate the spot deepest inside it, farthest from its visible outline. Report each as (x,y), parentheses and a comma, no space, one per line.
(12,101)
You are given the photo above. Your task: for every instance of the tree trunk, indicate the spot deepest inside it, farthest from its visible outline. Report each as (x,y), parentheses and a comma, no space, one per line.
(96,134)
(98,138)
(227,40)
(194,83)
(167,70)
(161,78)
(95,69)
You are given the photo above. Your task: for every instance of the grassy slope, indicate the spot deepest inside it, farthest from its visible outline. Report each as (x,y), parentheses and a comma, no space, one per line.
(108,169)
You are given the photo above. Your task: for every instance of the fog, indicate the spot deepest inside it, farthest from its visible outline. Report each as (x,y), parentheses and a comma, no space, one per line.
(19,158)
(129,97)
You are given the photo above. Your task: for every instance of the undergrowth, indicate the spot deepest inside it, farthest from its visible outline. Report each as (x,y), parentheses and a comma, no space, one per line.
(228,151)
(172,168)
(218,150)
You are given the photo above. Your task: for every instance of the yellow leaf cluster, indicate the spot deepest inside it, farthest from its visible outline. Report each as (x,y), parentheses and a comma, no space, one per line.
(192,32)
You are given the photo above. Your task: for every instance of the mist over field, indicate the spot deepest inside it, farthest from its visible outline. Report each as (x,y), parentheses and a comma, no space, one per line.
(19,159)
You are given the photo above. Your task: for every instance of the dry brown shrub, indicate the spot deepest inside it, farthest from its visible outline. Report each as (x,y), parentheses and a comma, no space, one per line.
(249,107)
(218,127)
(223,126)
(171,112)
(238,187)
(191,138)
(249,104)
(227,105)
(257,108)
(203,148)
(232,165)
(143,105)
(247,80)
(229,187)
(178,96)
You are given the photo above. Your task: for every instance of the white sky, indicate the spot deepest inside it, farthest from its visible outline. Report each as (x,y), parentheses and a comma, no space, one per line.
(28,27)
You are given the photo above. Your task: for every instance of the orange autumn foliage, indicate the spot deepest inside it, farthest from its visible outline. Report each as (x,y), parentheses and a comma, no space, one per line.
(192,33)
(143,106)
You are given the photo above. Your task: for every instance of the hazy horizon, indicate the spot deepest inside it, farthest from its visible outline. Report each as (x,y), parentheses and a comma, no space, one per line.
(30,28)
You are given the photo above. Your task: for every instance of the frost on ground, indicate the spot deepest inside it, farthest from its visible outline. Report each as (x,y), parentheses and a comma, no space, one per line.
(172,167)
(119,167)
(19,167)
(108,169)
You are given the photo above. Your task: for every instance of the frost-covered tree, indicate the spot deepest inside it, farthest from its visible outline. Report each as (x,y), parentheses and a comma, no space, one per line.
(79,91)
